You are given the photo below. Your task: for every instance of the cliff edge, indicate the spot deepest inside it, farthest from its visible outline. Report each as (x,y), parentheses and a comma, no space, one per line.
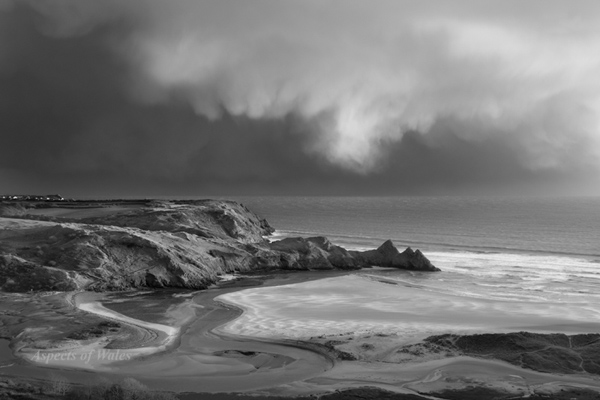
(116,245)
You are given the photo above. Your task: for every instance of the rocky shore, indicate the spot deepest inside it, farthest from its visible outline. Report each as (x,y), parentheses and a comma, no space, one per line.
(117,245)
(50,249)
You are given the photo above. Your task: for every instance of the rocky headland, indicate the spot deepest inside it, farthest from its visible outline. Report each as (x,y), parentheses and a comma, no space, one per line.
(116,245)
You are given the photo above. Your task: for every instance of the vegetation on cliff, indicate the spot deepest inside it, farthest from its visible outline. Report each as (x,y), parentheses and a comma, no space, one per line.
(115,245)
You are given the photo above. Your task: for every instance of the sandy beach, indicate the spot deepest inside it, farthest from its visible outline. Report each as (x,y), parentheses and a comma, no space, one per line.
(373,321)
(185,355)
(362,304)
(211,361)
(278,339)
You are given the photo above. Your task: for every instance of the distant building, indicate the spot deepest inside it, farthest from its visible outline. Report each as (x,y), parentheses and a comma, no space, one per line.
(28,197)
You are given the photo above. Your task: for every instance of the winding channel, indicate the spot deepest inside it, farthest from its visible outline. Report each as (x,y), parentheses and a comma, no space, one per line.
(191,356)
(206,361)
(190,353)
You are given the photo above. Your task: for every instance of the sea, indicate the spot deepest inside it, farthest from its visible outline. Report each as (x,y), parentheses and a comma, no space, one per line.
(534,249)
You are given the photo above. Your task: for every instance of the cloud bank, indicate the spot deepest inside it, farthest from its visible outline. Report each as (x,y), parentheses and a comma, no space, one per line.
(337,91)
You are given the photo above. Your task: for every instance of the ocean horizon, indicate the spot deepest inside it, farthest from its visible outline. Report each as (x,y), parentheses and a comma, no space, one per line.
(507,248)
(545,225)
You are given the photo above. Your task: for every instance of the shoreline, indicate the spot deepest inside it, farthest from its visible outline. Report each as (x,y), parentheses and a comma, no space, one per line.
(360,304)
(369,331)
(423,371)
(208,360)
(198,370)
(194,354)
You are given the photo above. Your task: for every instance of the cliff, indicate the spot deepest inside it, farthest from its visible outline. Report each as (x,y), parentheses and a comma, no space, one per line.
(120,245)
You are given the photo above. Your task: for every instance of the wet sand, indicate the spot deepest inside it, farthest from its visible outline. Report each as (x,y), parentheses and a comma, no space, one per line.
(363,304)
(222,348)
(372,320)
(210,361)
(96,354)
(189,356)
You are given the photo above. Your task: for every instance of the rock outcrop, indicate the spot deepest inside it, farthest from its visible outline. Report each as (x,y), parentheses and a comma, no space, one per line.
(161,244)
(312,253)
(319,253)
(110,258)
(387,255)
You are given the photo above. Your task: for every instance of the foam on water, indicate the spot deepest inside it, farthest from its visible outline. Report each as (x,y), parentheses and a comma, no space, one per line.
(522,249)
(518,277)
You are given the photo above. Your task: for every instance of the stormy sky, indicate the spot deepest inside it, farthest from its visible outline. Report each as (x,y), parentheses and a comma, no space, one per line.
(194,97)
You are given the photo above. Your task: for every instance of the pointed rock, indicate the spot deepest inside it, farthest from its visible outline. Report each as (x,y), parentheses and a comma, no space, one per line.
(387,249)
(413,260)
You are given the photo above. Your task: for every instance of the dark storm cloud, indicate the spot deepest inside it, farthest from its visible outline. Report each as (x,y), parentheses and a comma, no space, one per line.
(67,114)
(339,97)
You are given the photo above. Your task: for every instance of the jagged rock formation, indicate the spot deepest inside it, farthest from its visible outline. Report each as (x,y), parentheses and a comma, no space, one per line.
(117,246)
(319,253)
(387,255)
(312,253)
